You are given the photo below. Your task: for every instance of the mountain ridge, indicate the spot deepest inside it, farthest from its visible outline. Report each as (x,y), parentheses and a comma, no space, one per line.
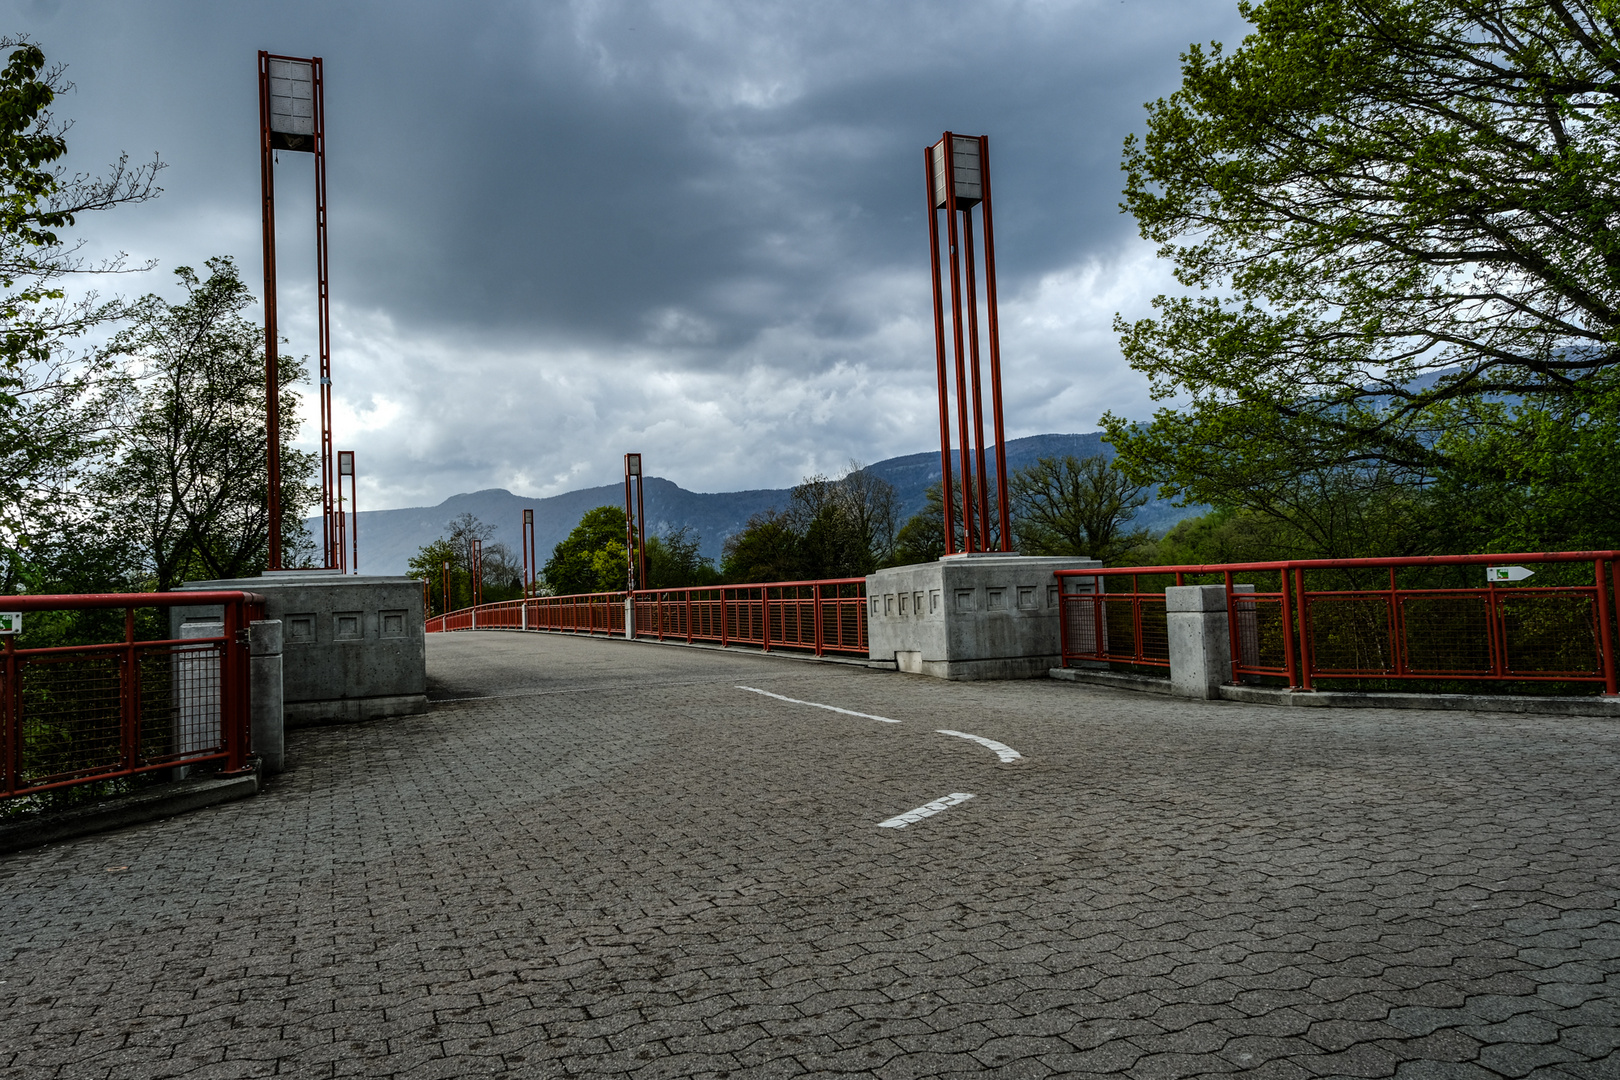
(389,538)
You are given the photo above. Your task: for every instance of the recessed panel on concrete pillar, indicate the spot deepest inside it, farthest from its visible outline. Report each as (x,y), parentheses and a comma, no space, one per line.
(978,616)
(353,646)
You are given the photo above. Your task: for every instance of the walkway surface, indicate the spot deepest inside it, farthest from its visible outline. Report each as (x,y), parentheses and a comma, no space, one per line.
(606,859)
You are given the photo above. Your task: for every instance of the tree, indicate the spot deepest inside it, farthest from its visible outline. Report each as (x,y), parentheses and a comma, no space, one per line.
(674,561)
(922,537)
(591,558)
(767,549)
(191,477)
(1399,220)
(428,565)
(846,526)
(54,400)
(1066,506)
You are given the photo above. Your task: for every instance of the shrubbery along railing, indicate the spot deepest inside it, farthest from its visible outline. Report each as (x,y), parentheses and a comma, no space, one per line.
(78,714)
(1408,618)
(818,616)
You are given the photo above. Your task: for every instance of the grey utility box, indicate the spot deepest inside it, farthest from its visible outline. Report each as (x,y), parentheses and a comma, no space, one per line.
(976,616)
(353,646)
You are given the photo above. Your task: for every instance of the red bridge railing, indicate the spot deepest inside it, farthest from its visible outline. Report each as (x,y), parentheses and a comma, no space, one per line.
(77,714)
(816,616)
(1371,623)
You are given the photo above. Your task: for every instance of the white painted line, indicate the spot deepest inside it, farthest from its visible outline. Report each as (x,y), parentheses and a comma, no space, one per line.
(818,705)
(924,811)
(1003,751)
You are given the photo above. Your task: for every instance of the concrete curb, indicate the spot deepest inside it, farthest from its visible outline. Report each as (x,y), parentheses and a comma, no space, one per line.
(735,650)
(1347,699)
(162,801)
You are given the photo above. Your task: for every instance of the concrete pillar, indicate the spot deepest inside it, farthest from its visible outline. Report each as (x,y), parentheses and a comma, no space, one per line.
(268,739)
(1200,642)
(629,619)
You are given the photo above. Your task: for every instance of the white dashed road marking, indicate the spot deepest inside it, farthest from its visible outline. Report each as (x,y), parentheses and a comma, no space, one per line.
(926,810)
(1003,751)
(819,705)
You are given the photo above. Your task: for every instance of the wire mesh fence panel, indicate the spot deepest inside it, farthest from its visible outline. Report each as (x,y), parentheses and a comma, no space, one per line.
(72,716)
(1350,634)
(1550,633)
(195,699)
(1119,624)
(1080,627)
(1154,642)
(1263,635)
(1446,634)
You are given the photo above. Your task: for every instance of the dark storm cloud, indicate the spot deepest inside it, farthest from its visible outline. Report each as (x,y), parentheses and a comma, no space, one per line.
(539,195)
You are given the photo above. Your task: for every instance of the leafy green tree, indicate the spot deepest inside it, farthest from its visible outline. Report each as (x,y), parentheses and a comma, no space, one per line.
(190,479)
(54,398)
(922,537)
(674,561)
(1068,506)
(428,565)
(1397,224)
(591,558)
(767,549)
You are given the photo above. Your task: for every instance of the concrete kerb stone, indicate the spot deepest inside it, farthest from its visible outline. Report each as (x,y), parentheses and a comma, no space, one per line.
(737,650)
(165,800)
(1349,699)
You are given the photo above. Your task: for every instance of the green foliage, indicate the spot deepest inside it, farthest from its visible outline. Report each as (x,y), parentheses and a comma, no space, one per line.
(584,560)
(190,480)
(1396,220)
(832,529)
(767,549)
(922,537)
(1065,506)
(674,562)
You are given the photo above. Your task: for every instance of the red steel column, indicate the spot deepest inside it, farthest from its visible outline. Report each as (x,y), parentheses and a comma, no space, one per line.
(1605,638)
(956,337)
(272,359)
(994,329)
(968,260)
(946,483)
(323,314)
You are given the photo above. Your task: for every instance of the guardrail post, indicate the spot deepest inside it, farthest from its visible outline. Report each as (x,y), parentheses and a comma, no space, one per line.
(1605,637)
(268,732)
(11,711)
(1198,622)
(725,621)
(233,691)
(1306,653)
(765,616)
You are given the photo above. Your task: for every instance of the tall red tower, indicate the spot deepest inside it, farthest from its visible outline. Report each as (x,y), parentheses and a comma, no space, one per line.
(292,117)
(958,173)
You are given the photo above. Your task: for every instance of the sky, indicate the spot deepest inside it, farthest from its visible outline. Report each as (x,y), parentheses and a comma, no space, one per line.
(697,230)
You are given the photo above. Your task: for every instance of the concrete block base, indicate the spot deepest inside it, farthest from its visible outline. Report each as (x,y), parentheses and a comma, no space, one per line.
(970,617)
(353,646)
(354,710)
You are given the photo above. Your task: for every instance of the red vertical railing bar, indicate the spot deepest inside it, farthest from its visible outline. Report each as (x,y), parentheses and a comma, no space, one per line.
(233,692)
(1397,653)
(1233,638)
(129,706)
(11,709)
(1136,616)
(765,615)
(725,619)
(821,641)
(1307,658)
(1495,632)
(1287,620)
(1605,642)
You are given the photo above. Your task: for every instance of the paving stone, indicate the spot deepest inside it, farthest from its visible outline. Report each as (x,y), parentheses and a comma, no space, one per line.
(613,862)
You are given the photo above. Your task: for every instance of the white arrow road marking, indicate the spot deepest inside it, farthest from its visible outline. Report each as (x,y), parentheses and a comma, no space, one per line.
(1003,751)
(818,705)
(925,810)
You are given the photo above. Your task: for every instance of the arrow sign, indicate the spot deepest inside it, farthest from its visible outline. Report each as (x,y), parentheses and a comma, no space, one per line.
(1507,573)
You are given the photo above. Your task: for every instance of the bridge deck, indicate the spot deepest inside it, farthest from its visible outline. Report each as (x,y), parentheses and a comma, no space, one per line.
(606,859)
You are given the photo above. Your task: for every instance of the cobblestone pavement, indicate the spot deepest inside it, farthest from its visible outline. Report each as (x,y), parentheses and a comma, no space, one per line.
(605,859)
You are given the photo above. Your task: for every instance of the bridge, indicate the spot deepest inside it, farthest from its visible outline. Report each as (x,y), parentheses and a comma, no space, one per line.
(598,857)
